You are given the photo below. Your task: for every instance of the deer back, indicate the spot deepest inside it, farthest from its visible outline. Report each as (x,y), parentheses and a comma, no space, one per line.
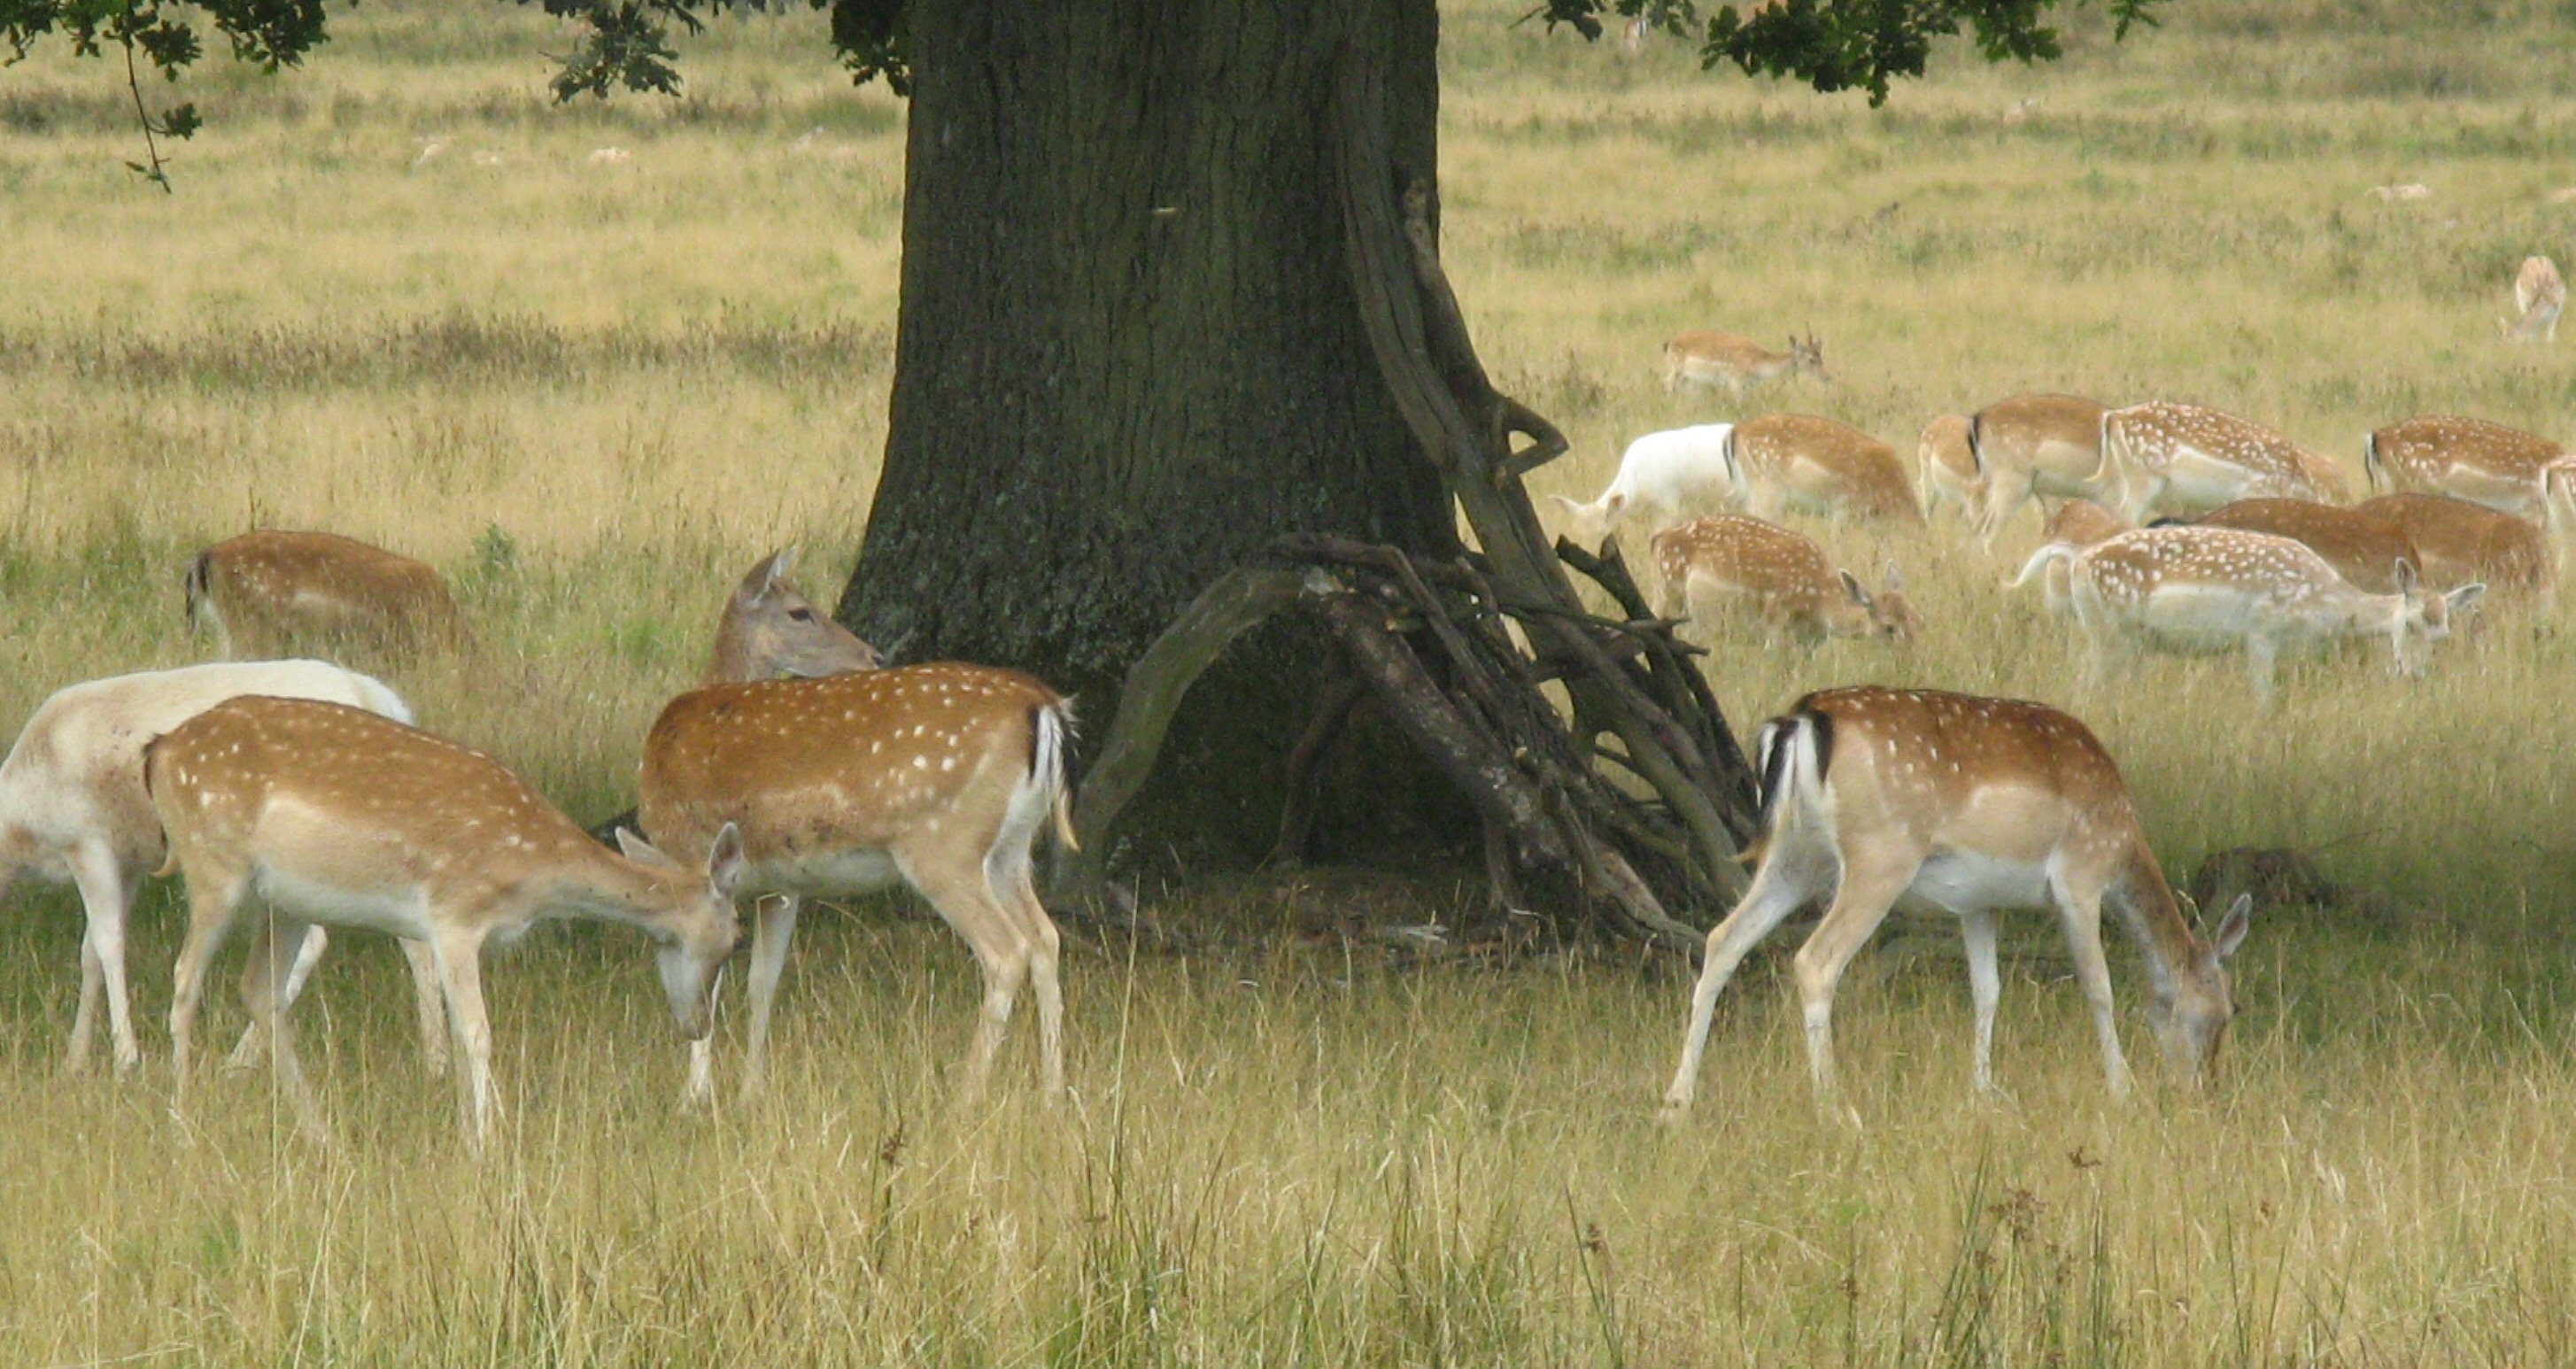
(2363,547)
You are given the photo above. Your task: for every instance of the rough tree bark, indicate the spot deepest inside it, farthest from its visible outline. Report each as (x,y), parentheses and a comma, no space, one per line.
(1130,356)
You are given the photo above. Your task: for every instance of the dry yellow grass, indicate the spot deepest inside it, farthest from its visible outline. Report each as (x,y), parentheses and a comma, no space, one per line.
(595,392)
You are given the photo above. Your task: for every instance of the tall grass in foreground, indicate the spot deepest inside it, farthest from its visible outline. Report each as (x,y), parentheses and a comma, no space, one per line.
(595,393)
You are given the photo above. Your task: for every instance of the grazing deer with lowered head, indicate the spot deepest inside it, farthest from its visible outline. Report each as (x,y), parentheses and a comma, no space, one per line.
(936,776)
(2539,296)
(1708,360)
(2194,588)
(2362,546)
(1662,477)
(264,593)
(338,817)
(1708,565)
(73,809)
(2505,469)
(2031,446)
(2463,543)
(1780,462)
(1879,797)
(2163,458)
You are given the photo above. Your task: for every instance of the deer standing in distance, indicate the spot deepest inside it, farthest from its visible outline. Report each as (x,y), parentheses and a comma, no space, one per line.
(2539,296)
(2462,543)
(2363,547)
(2197,588)
(937,776)
(2503,468)
(73,809)
(1876,797)
(337,816)
(2031,446)
(2165,458)
(1662,477)
(1708,360)
(1780,462)
(1710,564)
(264,593)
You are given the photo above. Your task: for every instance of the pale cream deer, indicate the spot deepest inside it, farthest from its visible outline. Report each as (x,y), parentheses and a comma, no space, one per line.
(1780,462)
(264,593)
(2539,296)
(2463,543)
(2505,469)
(336,816)
(73,809)
(1707,360)
(2363,546)
(2164,458)
(1711,566)
(2193,588)
(936,776)
(1946,471)
(2034,446)
(1873,797)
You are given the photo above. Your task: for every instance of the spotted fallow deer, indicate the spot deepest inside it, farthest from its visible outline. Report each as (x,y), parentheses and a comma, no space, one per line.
(336,816)
(2195,588)
(2363,547)
(2463,543)
(73,809)
(1710,565)
(2031,446)
(264,593)
(936,776)
(1780,462)
(2505,469)
(2162,458)
(770,628)
(2539,296)
(2078,523)
(1708,360)
(1877,797)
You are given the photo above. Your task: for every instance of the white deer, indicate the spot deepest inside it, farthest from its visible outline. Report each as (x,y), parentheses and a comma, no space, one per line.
(1662,477)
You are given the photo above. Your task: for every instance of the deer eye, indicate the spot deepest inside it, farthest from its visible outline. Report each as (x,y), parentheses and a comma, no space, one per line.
(801,615)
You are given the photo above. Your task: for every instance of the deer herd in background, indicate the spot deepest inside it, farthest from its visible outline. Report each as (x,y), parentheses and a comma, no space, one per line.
(802,766)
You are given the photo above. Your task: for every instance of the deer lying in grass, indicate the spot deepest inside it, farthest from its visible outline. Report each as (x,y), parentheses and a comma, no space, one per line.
(1780,462)
(2502,468)
(2463,543)
(338,817)
(264,593)
(1662,477)
(2164,458)
(1709,359)
(73,809)
(2197,588)
(2362,546)
(936,776)
(1877,797)
(1709,565)
(2012,452)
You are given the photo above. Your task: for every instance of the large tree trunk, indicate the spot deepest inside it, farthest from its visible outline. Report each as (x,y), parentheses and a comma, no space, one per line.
(1130,355)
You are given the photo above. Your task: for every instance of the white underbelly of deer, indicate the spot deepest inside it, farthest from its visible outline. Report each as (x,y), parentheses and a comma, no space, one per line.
(2199,480)
(2501,493)
(847,872)
(1967,881)
(2201,617)
(406,915)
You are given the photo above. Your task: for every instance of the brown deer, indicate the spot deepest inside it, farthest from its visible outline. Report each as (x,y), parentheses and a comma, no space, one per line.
(2506,469)
(269,592)
(1784,579)
(770,628)
(339,817)
(2361,545)
(1780,462)
(1876,797)
(2034,446)
(1708,360)
(2165,458)
(2463,543)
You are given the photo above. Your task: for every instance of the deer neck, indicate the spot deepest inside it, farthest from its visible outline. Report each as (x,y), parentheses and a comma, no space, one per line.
(731,662)
(2153,916)
(611,888)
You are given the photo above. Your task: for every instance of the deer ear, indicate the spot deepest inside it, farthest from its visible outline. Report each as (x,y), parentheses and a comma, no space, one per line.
(2233,927)
(1852,587)
(1895,578)
(2466,597)
(2407,581)
(1612,503)
(779,566)
(726,862)
(643,852)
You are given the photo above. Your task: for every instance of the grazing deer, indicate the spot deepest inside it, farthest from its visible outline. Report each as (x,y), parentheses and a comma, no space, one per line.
(1946,470)
(1783,461)
(263,593)
(2034,445)
(2214,588)
(2167,458)
(937,776)
(1874,797)
(1662,477)
(73,809)
(2362,546)
(2463,543)
(1708,360)
(770,628)
(2503,468)
(340,817)
(1782,577)
(2539,296)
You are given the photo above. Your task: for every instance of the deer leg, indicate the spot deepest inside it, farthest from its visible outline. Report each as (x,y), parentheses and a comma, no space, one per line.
(774,929)
(956,886)
(107,896)
(268,989)
(1046,946)
(1985,986)
(1870,886)
(460,971)
(2260,650)
(2079,911)
(253,1045)
(2006,492)
(1785,883)
(426,1005)
(214,896)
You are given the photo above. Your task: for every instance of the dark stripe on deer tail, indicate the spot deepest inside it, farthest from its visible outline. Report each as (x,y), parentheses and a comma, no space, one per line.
(1977,442)
(2370,465)
(195,585)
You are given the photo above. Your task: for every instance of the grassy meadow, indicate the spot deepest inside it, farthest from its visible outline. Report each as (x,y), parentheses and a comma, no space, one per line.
(398,295)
